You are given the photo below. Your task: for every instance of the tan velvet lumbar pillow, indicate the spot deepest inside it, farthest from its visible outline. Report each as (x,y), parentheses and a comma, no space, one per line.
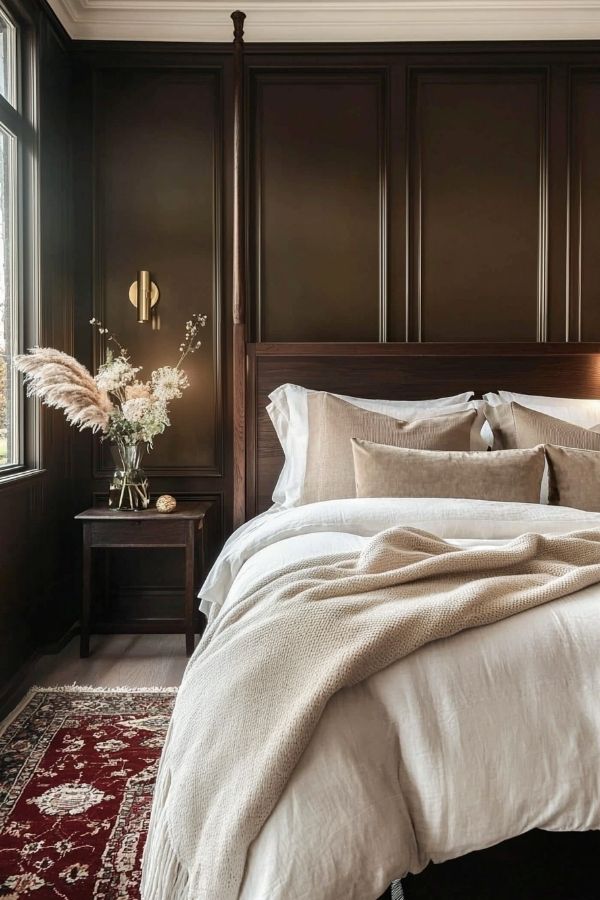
(333,422)
(382,471)
(516,426)
(574,477)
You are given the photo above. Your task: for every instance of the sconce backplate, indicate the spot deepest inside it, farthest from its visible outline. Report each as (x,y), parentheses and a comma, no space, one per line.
(154,294)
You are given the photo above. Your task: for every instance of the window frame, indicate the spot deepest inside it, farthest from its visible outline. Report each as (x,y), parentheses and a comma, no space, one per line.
(21,120)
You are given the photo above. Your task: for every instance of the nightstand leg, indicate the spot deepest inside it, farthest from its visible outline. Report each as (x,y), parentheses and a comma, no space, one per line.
(86,595)
(189,613)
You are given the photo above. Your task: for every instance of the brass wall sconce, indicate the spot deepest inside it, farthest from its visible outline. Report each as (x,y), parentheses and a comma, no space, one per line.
(144,295)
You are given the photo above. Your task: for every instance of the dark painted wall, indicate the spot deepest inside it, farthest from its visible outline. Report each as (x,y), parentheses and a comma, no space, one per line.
(425,193)
(154,142)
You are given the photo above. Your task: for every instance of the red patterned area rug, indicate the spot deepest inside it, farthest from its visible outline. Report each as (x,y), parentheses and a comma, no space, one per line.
(77,771)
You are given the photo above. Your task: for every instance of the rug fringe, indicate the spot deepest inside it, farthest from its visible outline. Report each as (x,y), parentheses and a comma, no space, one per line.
(78,689)
(96,689)
(397,892)
(163,875)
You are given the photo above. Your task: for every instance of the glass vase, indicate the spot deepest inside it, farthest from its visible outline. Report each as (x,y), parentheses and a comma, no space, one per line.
(129,485)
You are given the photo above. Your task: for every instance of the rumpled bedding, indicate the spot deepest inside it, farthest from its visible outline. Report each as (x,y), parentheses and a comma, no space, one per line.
(470,740)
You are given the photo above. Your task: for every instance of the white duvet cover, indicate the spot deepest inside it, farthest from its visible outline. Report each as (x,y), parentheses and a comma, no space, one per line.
(471,740)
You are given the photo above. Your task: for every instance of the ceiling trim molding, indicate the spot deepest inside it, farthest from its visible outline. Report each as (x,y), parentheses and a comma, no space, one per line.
(331,20)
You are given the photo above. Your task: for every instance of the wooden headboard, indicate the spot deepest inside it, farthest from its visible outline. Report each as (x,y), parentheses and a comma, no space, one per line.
(396,372)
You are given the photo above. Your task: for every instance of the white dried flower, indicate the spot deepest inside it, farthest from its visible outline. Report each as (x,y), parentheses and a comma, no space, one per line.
(115,374)
(139,419)
(169,383)
(136,409)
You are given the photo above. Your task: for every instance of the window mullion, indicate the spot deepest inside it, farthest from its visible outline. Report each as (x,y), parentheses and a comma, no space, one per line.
(13,120)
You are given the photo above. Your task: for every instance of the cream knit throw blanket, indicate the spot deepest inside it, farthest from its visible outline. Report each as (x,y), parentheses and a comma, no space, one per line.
(257,684)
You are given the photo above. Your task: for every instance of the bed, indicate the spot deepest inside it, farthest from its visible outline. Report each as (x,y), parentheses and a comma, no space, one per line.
(467,741)
(472,739)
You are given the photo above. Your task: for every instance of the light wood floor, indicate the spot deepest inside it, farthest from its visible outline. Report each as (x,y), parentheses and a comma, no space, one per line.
(116,660)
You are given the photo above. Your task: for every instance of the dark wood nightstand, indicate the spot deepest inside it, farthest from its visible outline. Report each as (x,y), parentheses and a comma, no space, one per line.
(106,529)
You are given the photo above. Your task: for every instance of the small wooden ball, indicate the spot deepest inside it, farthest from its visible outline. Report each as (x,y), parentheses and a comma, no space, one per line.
(166,503)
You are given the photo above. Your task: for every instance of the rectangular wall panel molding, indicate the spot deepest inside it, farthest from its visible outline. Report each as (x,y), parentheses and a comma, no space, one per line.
(158,197)
(318,191)
(584,206)
(478,258)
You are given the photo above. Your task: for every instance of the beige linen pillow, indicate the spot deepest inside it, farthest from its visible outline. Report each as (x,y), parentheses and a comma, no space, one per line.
(382,471)
(574,477)
(516,426)
(333,422)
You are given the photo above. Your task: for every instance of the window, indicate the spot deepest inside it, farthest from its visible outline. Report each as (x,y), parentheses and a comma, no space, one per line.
(8,58)
(13,130)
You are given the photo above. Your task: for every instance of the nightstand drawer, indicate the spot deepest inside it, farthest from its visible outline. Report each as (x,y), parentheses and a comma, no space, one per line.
(137,533)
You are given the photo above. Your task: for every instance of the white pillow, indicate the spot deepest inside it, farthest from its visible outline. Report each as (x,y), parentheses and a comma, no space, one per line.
(585,413)
(288,412)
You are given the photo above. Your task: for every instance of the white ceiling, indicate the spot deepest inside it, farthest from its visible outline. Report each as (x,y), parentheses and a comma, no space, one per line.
(331,20)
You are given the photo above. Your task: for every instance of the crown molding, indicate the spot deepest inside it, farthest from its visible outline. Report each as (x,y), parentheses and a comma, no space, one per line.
(331,20)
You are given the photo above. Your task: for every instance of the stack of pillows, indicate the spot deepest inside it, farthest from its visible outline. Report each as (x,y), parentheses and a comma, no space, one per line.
(542,448)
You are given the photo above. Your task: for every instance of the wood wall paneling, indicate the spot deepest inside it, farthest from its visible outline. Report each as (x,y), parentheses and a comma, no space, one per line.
(38,554)
(478,205)
(159,147)
(57,495)
(558,194)
(441,193)
(17,617)
(158,207)
(398,225)
(319,194)
(584,284)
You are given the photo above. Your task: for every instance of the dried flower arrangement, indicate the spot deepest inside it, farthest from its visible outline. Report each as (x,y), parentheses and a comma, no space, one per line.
(127,411)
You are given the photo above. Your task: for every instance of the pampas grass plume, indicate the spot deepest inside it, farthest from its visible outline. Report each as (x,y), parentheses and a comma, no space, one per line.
(63,383)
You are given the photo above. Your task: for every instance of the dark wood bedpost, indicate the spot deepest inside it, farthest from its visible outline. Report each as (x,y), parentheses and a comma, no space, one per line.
(239,277)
